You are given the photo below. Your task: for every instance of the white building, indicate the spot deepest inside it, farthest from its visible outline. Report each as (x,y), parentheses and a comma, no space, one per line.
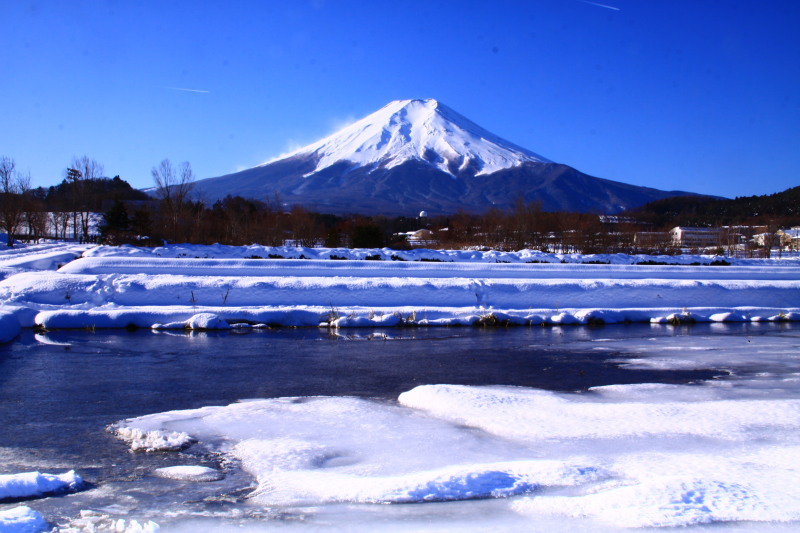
(686,237)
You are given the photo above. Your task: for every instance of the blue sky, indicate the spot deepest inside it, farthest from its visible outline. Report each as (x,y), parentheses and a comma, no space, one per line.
(698,95)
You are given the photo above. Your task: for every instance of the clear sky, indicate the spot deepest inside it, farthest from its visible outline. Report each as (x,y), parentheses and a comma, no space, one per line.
(699,95)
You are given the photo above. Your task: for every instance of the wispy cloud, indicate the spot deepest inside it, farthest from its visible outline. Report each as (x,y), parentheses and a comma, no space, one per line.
(599,5)
(187,90)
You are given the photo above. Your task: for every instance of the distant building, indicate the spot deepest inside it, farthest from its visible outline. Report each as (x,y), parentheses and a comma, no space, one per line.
(686,237)
(790,237)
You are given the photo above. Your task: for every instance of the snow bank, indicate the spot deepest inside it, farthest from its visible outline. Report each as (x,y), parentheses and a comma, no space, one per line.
(213,287)
(22,520)
(36,484)
(44,256)
(256,252)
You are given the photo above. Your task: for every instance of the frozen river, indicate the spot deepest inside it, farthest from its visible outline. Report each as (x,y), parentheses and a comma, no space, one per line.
(739,383)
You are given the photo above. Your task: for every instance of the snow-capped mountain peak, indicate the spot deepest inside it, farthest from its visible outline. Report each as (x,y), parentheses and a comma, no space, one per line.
(421,130)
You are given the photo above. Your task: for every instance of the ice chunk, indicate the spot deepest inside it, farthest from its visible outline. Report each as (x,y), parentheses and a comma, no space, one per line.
(22,519)
(730,316)
(36,484)
(207,321)
(94,521)
(189,473)
(153,440)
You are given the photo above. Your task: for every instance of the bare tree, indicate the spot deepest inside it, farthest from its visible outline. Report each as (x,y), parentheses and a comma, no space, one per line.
(173,186)
(13,185)
(82,171)
(35,216)
(60,222)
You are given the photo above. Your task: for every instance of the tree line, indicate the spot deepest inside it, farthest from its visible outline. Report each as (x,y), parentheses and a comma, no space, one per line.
(173,213)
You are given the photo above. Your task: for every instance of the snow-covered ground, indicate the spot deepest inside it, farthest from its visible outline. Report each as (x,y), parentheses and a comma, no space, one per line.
(218,286)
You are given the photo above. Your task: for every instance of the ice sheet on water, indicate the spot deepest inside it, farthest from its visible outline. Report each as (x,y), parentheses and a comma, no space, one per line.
(530,415)
(37,484)
(339,449)
(679,455)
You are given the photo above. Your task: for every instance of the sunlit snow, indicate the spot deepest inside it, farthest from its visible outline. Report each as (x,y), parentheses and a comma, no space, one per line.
(422,130)
(214,287)
(37,484)
(625,456)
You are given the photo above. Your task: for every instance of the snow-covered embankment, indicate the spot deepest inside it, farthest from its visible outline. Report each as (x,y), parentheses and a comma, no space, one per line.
(214,287)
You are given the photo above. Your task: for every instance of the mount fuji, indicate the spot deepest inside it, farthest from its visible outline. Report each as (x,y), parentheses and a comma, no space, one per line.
(415,155)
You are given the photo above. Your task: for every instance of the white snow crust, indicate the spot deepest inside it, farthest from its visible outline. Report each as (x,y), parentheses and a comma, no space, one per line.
(36,484)
(21,519)
(421,130)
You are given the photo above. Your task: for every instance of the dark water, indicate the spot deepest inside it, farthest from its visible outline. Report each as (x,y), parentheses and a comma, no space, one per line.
(102,377)
(56,400)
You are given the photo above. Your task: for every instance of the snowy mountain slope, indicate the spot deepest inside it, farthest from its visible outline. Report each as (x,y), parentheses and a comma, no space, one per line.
(419,130)
(415,155)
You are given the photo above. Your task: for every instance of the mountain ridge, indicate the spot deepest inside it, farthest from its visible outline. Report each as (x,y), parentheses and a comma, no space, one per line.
(414,155)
